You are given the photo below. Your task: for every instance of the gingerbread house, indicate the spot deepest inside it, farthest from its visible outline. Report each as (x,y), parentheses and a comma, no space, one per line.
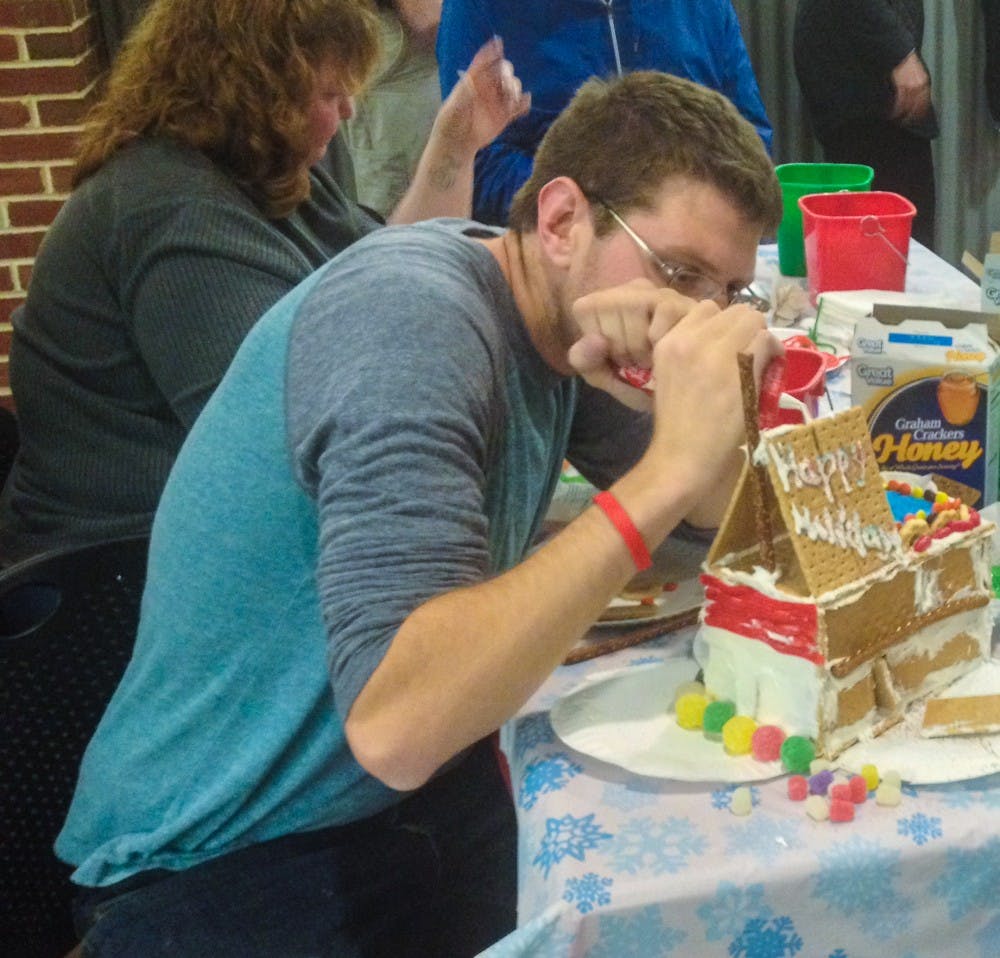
(817,618)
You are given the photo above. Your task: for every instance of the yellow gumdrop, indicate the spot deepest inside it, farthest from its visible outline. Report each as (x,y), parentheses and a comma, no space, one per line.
(916,492)
(941,497)
(737,733)
(870,774)
(690,709)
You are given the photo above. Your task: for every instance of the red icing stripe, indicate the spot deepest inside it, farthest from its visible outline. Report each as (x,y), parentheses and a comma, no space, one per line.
(787,627)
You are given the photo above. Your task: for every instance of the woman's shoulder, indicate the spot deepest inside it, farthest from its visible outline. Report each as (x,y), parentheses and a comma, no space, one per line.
(153,186)
(157,169)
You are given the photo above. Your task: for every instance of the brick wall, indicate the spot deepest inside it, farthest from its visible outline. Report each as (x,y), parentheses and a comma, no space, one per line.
(50,58)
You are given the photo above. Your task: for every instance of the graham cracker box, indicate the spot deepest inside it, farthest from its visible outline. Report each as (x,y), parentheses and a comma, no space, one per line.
(928,382)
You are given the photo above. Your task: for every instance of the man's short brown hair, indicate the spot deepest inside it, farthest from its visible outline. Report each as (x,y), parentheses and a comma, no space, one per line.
(620,139)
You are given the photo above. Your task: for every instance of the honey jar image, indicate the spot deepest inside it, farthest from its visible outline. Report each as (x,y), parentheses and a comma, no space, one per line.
(958,398)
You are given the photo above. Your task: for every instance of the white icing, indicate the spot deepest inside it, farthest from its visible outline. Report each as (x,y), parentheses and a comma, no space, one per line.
(845,463)
(926,588)
(760,579)
(845,530)
(770,686)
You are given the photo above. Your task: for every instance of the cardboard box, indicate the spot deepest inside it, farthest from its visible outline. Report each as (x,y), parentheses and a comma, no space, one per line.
(989,287)
(930,391)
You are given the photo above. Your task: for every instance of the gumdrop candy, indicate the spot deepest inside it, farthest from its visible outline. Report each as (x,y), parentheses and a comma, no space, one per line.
(716,715)
(817,808)
(766,743)
(892,777)
(690,710)
(888,795)
(841,792)
(841,811)
(798,788)
(796,754)
(737,734)
(870,775)
(818,765)
(859,789)
(820,783)
(741,801)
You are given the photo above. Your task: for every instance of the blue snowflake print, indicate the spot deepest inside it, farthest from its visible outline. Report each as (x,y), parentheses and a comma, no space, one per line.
(858,878)
(646,845)
(628,798)
(568,837)
(532,732)
(588,892)
(727,914)
(839,953)
(723,797)
(970,878)
(637,935)
(544,776)
(920,827)
(763,836)
(766,939)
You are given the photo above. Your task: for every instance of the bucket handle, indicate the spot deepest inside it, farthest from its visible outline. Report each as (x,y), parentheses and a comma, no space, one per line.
(871,226)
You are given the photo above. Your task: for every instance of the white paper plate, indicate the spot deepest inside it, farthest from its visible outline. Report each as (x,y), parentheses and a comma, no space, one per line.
(624,717)
(689,594)
(930,761)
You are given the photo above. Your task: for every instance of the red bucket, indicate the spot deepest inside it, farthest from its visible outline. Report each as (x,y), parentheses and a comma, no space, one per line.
(856,240)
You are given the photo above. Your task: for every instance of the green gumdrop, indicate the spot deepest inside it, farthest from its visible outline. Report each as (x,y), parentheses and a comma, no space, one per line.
(797,753)
(716,715)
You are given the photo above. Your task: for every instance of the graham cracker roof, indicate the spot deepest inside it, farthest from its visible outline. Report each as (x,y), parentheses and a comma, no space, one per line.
(822,487)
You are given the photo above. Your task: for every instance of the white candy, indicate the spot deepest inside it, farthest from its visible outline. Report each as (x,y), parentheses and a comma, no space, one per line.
(742,801)
(889,795)
(891,777)
(819,765)
(817,808)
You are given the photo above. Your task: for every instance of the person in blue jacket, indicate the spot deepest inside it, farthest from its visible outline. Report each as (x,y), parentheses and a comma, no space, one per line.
(557,44)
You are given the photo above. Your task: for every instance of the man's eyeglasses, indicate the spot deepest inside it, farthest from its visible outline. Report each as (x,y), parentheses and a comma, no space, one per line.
(688,281)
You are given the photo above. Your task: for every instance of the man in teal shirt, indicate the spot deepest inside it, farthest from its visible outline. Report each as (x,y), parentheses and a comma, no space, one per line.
(342,602)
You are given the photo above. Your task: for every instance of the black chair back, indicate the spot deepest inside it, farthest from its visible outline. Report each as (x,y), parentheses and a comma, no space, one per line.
(10,442)
(68,620)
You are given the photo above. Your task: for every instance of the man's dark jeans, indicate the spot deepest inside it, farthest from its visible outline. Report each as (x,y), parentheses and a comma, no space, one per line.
(432,876)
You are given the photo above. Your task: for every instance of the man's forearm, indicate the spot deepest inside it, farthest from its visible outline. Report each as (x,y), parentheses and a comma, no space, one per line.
(465,661)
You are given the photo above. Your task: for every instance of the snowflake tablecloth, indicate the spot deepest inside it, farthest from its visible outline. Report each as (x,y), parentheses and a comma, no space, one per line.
(614,864)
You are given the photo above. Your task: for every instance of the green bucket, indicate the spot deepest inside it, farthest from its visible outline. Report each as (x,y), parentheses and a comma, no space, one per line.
(801,179)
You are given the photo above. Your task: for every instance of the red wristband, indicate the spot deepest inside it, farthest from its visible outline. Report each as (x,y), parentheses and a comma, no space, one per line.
(621,520)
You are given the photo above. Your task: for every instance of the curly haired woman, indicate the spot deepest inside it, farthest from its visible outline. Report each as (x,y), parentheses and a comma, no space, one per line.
(209,182)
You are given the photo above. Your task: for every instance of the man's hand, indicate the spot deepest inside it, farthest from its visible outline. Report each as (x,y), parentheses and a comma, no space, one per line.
(698,405)
(912,86)
(619,327)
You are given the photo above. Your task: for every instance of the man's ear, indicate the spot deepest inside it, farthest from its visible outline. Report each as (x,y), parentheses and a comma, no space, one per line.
(562,211)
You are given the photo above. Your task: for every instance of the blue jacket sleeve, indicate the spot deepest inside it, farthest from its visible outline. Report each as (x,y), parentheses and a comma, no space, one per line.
(741,81)
(506,163)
